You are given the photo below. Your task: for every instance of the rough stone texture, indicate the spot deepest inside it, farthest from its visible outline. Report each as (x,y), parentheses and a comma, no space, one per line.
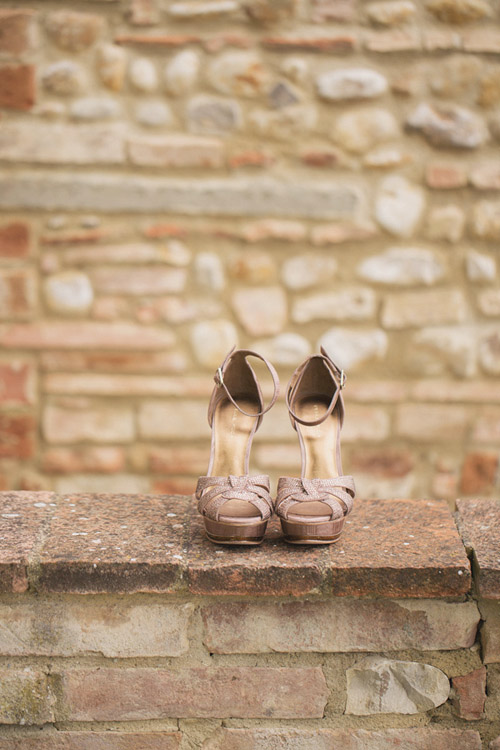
(342,625)
(262,311)
(402,266)
(351,83)
(361,129)
(380,686)
(448,125)
(351,303)
(412,309)
(68,292)
(399,206)
(176,151)
(350,348)
(73,31)
(61,144)
(128,694)
(249,198)
(347,739)
(64,77)
(469,694)
(479,524)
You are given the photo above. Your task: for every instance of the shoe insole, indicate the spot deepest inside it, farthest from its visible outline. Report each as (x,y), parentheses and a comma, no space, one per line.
(320,445)
(232,433)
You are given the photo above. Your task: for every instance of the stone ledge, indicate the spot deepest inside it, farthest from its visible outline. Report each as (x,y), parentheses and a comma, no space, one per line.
(88,543)
(479,524)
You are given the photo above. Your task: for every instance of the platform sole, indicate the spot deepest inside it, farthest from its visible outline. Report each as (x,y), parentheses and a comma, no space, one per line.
(244,534)
(302,532)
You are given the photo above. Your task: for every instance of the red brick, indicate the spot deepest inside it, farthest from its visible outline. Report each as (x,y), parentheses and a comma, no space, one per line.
(479,473)
(17,436)
(340,43)
(338,625)
(251,158)
(490,631)
(84,335)
(16,383)
(387,463)
(321,158)
(469,694)
(445,176)
(201,692)
(345,739)
(174,485)
(177,460)
(92,740)
(98,459)
(15,30)
(158,231)
(479,526)
(17,86)
(17,299)
(14,240)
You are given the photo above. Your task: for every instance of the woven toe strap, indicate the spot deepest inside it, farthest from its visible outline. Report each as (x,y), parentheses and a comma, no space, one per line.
(337,492)
(213,492)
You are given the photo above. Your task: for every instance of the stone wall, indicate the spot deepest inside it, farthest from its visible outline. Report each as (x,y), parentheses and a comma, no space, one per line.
(180,176)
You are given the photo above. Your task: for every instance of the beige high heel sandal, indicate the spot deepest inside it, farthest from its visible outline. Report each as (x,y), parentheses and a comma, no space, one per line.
(312,508)
(235,506)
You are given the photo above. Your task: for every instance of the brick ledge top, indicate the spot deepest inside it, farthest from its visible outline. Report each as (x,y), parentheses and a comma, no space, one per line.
(90,543)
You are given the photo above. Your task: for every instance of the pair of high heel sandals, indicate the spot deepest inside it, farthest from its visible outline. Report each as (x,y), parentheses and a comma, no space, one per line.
(235,506)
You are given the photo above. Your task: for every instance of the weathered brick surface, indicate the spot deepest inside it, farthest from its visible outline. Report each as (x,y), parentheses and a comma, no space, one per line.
(62,740)
(17,383)
(348,739)
(341,625)
(470,694)
(25,697)
(478,522)
(490,631)
(111,628)
(258,692)
(14,240)
(17,88)
(16,34)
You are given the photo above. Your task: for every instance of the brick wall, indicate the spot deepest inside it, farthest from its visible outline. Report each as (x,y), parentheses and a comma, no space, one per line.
(122,629)
(180,176)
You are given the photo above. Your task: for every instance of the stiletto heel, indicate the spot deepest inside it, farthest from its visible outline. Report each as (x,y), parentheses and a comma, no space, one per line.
(235,506)
(313,508)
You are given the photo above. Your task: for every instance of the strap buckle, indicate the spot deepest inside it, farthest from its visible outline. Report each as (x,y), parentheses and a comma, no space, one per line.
(343,378)
(219,378)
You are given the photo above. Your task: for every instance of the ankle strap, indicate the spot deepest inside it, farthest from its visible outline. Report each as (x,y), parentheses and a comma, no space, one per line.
(339,378)
(219,380)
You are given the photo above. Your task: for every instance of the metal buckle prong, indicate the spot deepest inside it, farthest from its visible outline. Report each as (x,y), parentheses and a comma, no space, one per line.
(343,378)
(219,378)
